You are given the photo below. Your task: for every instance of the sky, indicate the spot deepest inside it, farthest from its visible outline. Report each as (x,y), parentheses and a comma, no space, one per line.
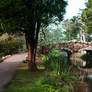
(74,7)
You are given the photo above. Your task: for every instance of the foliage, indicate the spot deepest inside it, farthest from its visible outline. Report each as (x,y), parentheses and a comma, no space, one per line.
(72,28)
(55,53)
(59,77)
(1,55)
(58,83)
(88,59)
(87,16)
(64,89)
(56,62)
(51,34)
(44,58)
(0,59)
(9,47)
(10,44)
(66,82)
(25,15)
(26,81)
(28,16)
(84,57)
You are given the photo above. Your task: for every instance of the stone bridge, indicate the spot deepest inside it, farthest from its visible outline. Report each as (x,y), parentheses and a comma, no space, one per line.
(73,46)
(70,47)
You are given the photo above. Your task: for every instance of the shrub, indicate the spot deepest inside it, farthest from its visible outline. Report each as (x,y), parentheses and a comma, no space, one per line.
(1,55)
(55,62)
(9,47)
(88,59)
(63,83)
(59,77)
(0,59)
(12,43)
(44,58)
(63,89)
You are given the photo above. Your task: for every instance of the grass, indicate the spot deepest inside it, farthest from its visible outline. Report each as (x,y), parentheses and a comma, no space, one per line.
(26,81)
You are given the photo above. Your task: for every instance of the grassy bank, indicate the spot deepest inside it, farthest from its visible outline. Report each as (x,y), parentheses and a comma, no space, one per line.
(56,77)
(26,81)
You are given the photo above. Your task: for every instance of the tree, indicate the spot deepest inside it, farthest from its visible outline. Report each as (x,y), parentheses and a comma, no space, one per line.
(51,34)
(87,17)
(28,16)
(72,27)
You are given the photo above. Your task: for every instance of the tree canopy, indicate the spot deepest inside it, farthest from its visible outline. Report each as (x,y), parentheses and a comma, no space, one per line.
(20,14)
(27,16)
(72,28)
(87,16)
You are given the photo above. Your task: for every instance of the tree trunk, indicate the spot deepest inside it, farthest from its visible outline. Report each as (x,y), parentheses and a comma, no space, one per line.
(31,42)
(31,57)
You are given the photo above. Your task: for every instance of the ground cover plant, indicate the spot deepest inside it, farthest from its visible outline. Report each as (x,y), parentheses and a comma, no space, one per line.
(59,76)
(26,81)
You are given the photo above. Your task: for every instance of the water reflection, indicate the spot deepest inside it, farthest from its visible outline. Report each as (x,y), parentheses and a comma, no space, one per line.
(85,66)
(89,81)
(89,77)
(84,71)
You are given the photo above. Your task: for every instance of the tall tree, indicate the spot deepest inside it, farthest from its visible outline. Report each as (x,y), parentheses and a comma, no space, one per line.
(27,16)
(72,27)
(50,34)
(87,17)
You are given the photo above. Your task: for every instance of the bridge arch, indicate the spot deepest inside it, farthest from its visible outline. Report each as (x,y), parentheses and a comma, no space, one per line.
(69,53)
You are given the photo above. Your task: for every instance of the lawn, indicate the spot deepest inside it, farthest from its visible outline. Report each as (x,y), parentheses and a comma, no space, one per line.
(26,81)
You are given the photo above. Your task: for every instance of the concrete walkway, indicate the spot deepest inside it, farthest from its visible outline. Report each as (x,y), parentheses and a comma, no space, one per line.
(8,68)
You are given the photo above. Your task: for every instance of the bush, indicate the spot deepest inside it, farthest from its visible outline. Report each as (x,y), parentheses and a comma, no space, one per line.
(44,58)
(58,77)
(9,47)
(88,59)
(11,44)
(1,55)
(55,62)
(63,89)
(63,83)
(0,59)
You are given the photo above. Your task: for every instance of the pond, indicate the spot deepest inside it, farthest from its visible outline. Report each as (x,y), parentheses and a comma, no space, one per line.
(86,84)
(88,78)
(89,81)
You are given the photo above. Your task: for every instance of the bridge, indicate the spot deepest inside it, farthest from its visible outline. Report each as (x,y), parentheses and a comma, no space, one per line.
(70,47)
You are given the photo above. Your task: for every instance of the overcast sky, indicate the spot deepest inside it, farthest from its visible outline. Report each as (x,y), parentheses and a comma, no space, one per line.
(73,8)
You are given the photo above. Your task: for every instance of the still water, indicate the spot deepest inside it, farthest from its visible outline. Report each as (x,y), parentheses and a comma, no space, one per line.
(76,60)
(89,81)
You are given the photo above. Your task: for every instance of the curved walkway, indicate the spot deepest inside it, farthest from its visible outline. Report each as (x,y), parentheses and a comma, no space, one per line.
(8,68)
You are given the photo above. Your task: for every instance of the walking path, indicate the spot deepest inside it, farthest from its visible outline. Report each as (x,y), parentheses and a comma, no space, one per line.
(8,68)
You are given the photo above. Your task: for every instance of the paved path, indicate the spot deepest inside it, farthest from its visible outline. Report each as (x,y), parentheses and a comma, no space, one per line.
(8,68)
